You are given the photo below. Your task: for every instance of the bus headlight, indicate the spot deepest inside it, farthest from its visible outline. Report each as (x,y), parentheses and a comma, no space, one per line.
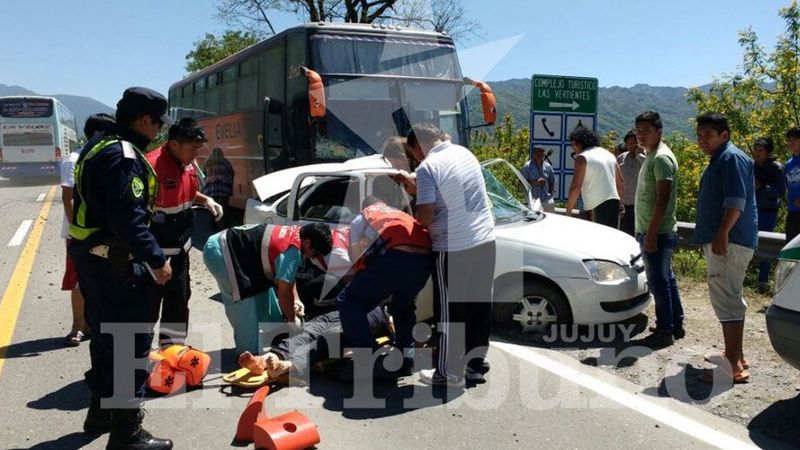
(783,271)
(605,271)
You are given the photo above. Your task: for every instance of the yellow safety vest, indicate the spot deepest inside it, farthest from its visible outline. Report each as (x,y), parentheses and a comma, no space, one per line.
(80,228)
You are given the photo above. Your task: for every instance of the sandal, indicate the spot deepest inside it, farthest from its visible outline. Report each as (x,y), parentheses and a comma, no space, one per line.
(707,376)
(73,339)
(720,359)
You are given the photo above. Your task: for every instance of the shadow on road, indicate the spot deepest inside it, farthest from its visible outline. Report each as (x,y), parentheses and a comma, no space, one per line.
(72,397)
(69,441)
(778,421)
(32,348)
(687,387)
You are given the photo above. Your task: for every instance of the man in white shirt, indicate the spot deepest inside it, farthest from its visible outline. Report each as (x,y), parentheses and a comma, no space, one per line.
(95,124)
(453,205)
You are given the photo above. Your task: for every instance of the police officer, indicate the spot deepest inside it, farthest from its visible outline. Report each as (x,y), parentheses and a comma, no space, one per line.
(173,221)
(119,264)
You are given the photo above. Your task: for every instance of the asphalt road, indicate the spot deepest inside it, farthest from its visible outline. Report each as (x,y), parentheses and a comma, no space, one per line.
(535,398)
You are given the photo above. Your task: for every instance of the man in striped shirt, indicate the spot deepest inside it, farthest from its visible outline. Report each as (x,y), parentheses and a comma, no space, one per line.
(453,205)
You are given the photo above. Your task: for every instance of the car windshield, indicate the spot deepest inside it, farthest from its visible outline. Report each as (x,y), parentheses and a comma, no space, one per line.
(505,207)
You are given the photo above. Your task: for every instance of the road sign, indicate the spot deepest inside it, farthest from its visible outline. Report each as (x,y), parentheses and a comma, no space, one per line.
(567,94)
(560,104)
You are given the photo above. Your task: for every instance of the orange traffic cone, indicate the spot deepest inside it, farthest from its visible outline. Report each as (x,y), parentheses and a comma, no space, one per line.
(290,431)
(252,412)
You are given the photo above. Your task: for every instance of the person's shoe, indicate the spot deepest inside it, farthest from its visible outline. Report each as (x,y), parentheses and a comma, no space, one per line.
(484,367)
(659,339)
(98,420)
(434,378)
(677,332)
(474,376)
(127,432)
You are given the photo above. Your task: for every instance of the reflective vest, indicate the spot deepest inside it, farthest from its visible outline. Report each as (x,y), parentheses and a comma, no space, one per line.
(178,187)
(250,253)
(395,227)
(81,228)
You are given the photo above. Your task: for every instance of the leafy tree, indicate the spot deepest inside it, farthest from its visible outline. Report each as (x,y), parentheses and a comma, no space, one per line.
(761,99)
(253,16)
(214,48)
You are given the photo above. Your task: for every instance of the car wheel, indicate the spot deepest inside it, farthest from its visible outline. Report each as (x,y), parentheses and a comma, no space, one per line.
(532,307)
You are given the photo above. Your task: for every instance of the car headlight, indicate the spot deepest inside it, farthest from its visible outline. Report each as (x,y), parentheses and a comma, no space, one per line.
(605,271)
(783,271)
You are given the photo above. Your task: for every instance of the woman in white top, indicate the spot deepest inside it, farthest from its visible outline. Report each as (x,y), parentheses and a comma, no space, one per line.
(597,179)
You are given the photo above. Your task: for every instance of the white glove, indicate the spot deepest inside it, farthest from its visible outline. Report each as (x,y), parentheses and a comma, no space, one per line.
(215,208)
(299,308)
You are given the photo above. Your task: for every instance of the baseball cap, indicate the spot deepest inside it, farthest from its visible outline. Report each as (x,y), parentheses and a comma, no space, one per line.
(187,128)
(140,100)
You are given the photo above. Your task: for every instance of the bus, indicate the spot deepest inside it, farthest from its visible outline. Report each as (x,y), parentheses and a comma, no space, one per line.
(34,134)
(325,92)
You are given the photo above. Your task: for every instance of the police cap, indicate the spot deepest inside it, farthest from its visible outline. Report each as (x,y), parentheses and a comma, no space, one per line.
(137,101)
(187,129)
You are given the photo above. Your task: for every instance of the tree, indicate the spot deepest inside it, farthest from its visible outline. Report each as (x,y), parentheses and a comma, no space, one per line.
(211,48)
(253,16)
(761,99)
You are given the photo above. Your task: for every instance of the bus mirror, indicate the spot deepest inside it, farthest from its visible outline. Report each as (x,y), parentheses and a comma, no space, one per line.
(488,101)
(316,93)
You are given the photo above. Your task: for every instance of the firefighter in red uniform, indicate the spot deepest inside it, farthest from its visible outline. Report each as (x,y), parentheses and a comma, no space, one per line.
(396,264)
(173,221)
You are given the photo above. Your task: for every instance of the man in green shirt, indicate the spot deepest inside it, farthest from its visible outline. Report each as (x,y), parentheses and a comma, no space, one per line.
(656,228)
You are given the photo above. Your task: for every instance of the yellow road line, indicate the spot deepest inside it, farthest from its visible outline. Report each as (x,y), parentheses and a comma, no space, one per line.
(15,291)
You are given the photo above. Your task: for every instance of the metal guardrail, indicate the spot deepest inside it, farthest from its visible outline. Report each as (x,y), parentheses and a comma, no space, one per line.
(769,243)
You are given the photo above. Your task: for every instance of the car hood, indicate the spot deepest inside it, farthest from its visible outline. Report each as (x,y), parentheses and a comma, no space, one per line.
(276,182)
(566,235)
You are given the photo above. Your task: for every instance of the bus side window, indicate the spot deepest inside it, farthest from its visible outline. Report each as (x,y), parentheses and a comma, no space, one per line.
(297,99)
(272,83)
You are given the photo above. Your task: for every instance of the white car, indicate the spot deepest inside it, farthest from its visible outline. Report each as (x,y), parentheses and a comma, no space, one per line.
(783,317)
(550,268)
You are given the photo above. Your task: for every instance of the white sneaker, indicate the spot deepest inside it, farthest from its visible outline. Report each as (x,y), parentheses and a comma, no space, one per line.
(434,378)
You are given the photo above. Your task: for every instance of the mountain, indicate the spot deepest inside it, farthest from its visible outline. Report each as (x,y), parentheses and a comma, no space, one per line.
(617,106)
(82,107)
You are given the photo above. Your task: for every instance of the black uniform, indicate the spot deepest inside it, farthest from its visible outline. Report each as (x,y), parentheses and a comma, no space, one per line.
(111,247)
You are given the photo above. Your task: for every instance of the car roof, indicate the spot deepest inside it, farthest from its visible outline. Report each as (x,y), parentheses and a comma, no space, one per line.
(280,181)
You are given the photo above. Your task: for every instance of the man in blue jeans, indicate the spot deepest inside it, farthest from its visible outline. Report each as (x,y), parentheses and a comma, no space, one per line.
(656,228)
(770,191)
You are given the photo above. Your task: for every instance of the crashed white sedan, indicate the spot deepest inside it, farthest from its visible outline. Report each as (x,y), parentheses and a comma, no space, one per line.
(550,268)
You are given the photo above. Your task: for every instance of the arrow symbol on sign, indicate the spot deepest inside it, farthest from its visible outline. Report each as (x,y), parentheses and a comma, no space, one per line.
(574,105)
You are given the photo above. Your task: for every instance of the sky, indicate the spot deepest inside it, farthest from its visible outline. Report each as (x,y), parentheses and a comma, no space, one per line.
(97,48)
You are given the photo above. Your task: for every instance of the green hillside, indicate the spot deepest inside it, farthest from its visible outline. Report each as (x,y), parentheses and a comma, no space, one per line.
(617,106)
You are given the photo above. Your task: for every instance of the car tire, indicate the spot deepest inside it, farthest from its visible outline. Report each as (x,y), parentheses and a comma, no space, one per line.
(531,307)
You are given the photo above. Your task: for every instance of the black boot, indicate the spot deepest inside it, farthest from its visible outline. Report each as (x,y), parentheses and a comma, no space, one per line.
(98,420)
(127,432)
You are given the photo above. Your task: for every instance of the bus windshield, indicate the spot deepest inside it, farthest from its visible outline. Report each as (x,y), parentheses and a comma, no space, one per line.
(363,112)
(387,56)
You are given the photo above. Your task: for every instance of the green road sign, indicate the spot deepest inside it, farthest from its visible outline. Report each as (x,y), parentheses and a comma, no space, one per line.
(564,94)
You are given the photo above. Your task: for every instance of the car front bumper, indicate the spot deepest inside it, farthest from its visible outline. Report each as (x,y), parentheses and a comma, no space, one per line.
(594,302)
(783,326)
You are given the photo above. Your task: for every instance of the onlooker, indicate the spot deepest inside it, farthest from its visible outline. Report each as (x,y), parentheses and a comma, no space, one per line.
(630,162)
(770,190)
(657,226)
(95,124)
(793,184)
(727,228)
(219,183)
(597,179)
(452,203)
(619,149)
(542,179)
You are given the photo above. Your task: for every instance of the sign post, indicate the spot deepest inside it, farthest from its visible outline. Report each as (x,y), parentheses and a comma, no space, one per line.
(559,104)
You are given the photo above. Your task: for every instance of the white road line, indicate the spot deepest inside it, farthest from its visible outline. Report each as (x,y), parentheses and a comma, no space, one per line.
(639,404)
(40,198)
(19,236)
